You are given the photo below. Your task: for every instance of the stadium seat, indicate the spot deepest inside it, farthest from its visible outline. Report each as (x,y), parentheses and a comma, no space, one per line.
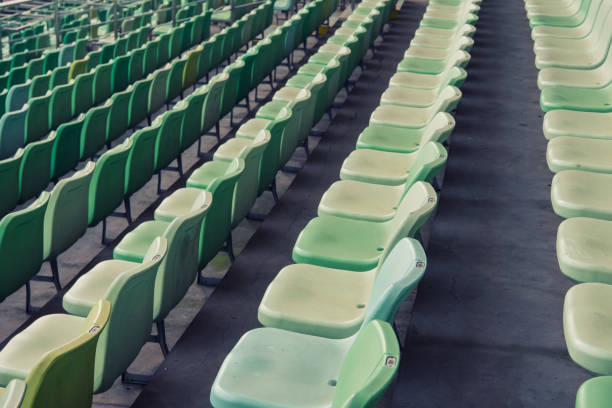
(576,193)
(595,393)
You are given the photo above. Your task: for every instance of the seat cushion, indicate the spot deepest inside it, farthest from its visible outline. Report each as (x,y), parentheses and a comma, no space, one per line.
(277,368)
(286,94)
(587,325)
(316,300)
(253,126)
(401,96)
(24,350)
(584,249)
(377,167)
(390,138)
(400,116)
(359,200)
(203,176)
(580,124)
(231,149)
(595,393)
(135,244)
(414,80)
(341,243)
(582,194)
(579,153)
(271,109)
(421,65)
(92,286)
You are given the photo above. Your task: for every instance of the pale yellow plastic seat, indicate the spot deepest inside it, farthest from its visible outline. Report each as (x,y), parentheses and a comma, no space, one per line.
(584,249)
(578,153)
(587,326)
(580,124)
(418,98)
(415,80)
(577,193)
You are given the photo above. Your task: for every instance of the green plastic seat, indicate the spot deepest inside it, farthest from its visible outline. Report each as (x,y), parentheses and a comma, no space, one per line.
(578,153)
(247,185)
(405,140)
(452,76)
(129,287)
(163,49)
(219,178)
(35,67)
(136,65)
(190,72)
(118,115)
(77,68)
(345,243)
(35,169)
(55,357)
(66,147)
(577,193)
(179,268)
(211,113)
(21,244)
(12,395)
(157,90)
(102,89)
(108,52)
(60,105)
(586,326)
(17,96)
(107,183)
(595,393)
(174,86)
(393,169)
(40,85)
(333,302)
(363,200)
(9,182)
(299,370)
(150,57)
(12,132)
(176,42)
(583,249)
(82,95)
(120,73)
(66,216)
(93,134)
(51,60)
(579,124)
(429,66)
(167,146)
(410,117)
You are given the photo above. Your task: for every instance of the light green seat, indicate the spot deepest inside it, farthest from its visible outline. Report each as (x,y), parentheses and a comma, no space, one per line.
(584,249)
(299,370)
(93,134)
(410,117)
(102,83)
(333,302)
(82,94)
(453,76)
(35,169)
(578,153)
(179,268)
(66,147)
(9,182)
(129,287)
(586,325)
(595,393)
(21,244)
(577,193)
(66,217)
(580,124)
(118,115)
(247,186)
(12,395)
(417,98)
(363,200)
(430,66)
(55,356)
(392,169)
(345,243)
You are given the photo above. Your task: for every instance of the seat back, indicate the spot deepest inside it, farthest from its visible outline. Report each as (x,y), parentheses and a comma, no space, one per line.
(21,245)
(12,131)
(136,64)
(150,58)
(107,181)
(399,273)
(368,368)
(163,49)
(270,159)
(211,113)
(191,129)
(190,71)
(118,115)
(60,105)
(35,67)
(141,159)
(17,96)
(102,82)
(167,146)
(414,209)
(439,128)
(9,182)
(120,73)
(64,376)
(66,214)
(139,102)
(176,42)
(174,86)
(246,189)
(51,60)
(78,67)
(80,48)
(66,148)
(59,76)
(129,324)
(93,135)
(35,169)
(108,51)
(40,85)
(179,268)
(217,223)
(429,160)
(204,61)
(157,91)
(82,95)
(230,90)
